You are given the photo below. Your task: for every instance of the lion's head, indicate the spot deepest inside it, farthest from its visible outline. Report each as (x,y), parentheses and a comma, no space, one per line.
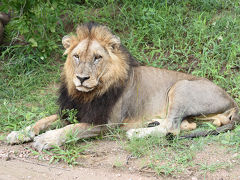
(96,60)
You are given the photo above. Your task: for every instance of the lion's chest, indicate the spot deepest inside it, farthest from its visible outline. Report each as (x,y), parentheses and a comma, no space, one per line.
(97,111)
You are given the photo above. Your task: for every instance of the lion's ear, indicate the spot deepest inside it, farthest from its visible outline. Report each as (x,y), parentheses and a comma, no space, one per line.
(66,41)
(115,43)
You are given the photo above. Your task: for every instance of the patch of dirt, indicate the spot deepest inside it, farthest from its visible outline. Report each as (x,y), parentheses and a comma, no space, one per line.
(106,159)
(220,161)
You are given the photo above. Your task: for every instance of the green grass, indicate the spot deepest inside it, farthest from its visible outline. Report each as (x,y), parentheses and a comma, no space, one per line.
(165,157)
(69,154)
(200,37)
(212,167)
(174,157)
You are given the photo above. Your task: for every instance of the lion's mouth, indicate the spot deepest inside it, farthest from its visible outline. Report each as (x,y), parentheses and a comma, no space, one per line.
(85,88)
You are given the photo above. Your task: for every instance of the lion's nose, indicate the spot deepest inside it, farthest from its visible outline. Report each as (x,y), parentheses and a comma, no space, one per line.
(83,78)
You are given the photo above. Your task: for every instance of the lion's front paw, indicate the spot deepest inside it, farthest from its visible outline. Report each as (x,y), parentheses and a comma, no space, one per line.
(131,133)
(17,137)
(49,139)
(143,132)
(138,133)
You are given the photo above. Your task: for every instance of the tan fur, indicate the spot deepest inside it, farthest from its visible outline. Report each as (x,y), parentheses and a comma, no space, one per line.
(186,126)
(44,123)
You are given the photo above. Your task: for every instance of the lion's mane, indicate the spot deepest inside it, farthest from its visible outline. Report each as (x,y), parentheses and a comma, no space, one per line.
(95,106)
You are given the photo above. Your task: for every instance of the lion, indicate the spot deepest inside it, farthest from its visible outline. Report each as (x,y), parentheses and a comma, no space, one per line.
(108,88)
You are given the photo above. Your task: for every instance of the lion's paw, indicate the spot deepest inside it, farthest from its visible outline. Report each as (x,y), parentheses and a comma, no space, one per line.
(49,139)
(131,133)
(18,137)
(143,132)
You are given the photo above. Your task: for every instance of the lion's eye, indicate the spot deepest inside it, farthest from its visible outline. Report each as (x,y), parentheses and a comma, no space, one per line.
(76,58)
(97,59)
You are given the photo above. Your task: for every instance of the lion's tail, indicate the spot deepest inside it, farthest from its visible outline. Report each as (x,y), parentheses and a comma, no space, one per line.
(217,131)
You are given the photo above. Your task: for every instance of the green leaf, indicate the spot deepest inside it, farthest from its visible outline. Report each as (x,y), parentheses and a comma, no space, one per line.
(211,126)
(52,29)
(33,42)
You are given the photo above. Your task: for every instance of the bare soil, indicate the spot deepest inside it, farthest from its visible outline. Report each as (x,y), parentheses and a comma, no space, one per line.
(108,160)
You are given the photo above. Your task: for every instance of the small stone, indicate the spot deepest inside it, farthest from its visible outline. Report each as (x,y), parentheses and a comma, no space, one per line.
(118,175)
(58,173)
(130,169)
(7,158)
(235,155)
(194,178)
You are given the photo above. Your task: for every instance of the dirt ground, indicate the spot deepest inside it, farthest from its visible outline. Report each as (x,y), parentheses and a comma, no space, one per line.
(108,160)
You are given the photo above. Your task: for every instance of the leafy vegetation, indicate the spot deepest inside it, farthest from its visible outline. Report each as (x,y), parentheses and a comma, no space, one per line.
(194,36)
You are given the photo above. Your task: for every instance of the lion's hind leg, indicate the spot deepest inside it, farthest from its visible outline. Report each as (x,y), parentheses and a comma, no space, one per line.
(192,99)
(27,134)
(197,98)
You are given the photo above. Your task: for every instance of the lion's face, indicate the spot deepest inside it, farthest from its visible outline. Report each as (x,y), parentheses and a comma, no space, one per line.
(94,60)
(91,62)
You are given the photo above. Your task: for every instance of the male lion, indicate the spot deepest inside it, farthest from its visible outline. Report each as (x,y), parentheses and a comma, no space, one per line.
(107,87)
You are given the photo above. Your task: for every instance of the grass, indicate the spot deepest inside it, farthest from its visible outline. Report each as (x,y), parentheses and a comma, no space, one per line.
(163,156)
(69,154)
(174,157)
(200,37)
(212,167)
